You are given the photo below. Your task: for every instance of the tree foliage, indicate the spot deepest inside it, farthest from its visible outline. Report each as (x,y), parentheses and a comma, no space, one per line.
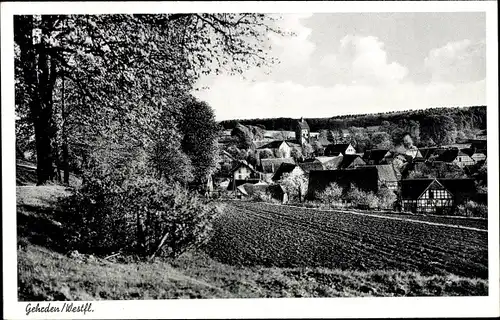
(199,138)
(295,184)
(122,69)
(331,194)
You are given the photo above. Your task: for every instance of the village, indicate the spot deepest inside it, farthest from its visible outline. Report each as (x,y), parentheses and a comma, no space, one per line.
(433,180)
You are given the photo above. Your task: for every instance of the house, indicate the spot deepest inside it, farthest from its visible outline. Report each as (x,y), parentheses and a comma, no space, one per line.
(478,156)
(280,148)
(347,161)
(270,165)
(365,178)
(277,192)
(437,196)
(455,156)
(375,156)
(302,132)
(250,189)
(243,173)
(339,149)
(289,168)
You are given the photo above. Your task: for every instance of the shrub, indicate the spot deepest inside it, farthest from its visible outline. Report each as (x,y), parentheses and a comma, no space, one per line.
(472,209)
(361,199)
(386,198)
(332,193)
(143,216)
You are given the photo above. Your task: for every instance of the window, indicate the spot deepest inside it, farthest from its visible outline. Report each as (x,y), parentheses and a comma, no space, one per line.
(431,194)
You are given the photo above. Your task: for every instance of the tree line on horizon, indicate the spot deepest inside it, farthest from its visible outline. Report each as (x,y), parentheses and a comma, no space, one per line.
(433,126)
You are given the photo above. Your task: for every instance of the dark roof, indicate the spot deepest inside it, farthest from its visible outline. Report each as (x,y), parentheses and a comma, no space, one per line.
(448,155)
(276,191)
(267,165)
(349,159)
(284,168)
(427,152)
(478,143)
(365,178)
(311,165)
(375,155)
(240,163)
(468,151)
(344,161)
(302,124)
(334,149)
(272,145)
(413,188)
(385,172)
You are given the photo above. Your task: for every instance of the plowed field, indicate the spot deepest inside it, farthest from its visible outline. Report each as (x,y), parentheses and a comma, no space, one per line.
(258,234)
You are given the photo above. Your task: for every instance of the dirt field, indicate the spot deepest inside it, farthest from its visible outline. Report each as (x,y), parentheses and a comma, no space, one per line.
(259,234)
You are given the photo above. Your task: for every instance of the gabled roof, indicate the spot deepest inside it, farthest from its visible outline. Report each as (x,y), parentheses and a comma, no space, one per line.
(375,155)
(250,188)
(268,164)
(427,152)
(284,168)
(344,161)
(259,144)
(334,163)
(413,188)
(311,165)
(241,163)
(450,154)
(272,145)
(324,159)
(386,172)
(336,148)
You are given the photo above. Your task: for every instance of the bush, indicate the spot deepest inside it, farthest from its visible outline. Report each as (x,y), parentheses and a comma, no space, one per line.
(386,199)
(144,216)
(472,209)
(361,199)
(332,193)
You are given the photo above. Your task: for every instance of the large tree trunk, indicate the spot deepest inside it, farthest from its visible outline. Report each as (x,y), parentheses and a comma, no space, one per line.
(39,76)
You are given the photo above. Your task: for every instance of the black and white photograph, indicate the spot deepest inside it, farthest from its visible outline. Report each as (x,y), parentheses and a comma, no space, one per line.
(219,156)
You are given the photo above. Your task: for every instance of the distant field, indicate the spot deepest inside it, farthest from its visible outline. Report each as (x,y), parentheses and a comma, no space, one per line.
(260,234)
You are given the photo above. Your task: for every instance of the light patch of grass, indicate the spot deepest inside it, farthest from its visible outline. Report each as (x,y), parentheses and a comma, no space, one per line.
(40,196)
(46,275)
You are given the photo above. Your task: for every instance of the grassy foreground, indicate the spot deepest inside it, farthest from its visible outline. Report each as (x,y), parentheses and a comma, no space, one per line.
(47,275)
(46,271)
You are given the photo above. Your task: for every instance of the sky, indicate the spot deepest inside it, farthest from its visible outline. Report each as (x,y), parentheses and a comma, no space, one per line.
(351,63)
